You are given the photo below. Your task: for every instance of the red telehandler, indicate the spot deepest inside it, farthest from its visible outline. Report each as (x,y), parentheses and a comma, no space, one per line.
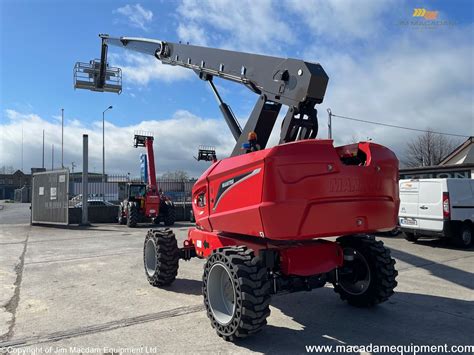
(144,202)
(263,218)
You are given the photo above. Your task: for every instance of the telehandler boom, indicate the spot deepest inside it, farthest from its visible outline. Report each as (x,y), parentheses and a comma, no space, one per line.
(144,201)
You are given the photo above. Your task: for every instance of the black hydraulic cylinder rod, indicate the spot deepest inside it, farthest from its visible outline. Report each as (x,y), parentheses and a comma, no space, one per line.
(227,113)
(230,120)
(103,65)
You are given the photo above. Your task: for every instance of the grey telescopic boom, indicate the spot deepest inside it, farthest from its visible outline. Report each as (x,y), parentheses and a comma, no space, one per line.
(294,83)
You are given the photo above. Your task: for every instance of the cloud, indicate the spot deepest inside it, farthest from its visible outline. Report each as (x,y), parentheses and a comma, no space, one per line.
(343,20)
(420,80)
(136,15)
(176,142)
(140,69)
(414,77)
(192,33)
(247,25)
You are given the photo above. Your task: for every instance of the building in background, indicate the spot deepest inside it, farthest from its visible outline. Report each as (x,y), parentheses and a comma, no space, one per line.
(10,182)
(458,164)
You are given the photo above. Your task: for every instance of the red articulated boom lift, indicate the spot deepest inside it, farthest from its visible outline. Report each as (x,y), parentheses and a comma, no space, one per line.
(262,218)
(144,201)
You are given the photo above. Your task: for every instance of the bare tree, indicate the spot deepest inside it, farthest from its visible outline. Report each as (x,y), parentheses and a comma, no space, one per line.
(175,175)
(428,149)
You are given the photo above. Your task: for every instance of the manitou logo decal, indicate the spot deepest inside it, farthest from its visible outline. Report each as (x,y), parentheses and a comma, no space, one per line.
(228,183)
(352,185)
(231,183)
(427,15)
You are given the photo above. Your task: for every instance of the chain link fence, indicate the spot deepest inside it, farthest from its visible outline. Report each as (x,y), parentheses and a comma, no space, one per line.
(115,187)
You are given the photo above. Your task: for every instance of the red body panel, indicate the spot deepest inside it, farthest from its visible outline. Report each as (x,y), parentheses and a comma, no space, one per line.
(152,204)
(311,259)
(302,259)
(300,190)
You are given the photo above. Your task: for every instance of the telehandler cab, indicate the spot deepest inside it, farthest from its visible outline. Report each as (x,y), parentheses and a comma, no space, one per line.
(262,218)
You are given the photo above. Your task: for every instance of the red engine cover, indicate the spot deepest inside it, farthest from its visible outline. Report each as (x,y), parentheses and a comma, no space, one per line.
(300,190)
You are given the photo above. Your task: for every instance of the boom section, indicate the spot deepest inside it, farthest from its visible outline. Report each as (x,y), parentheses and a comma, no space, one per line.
(285,81)
(145,139)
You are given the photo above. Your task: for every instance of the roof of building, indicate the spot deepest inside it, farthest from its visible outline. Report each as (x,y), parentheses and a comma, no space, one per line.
(468,145)
(438,168)
(17,173)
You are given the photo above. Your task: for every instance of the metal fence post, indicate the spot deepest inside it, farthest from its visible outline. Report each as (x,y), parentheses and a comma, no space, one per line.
(85,175)
(183,188)
(329,123)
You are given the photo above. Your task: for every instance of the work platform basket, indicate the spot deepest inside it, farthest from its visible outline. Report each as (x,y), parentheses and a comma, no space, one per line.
(87,76)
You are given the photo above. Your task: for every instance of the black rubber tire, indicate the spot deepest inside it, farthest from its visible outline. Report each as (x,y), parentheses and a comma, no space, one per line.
(167,257)
(251,291)
(170,216)
(132,219)
(461,234)
(382,271)
(411,237)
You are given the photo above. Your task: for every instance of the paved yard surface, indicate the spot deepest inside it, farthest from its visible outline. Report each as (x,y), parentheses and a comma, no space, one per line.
(86,288)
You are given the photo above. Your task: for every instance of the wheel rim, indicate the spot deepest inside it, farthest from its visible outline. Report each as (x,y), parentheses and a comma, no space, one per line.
(150,257)
(357,281)
(221,294)
(466,236)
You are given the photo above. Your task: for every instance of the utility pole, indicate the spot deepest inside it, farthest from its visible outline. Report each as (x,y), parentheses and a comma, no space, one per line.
(22,147)
(103,152)
(85,175)
(52,157)
(329,123)
(62,138)
(42,165)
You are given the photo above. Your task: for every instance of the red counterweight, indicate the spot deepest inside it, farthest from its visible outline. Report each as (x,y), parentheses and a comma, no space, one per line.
(299,191)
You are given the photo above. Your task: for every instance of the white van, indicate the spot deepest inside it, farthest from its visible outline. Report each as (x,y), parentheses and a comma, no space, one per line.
(437,208)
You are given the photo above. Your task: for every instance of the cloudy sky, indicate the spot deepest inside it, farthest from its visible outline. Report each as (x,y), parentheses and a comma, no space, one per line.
(383,64)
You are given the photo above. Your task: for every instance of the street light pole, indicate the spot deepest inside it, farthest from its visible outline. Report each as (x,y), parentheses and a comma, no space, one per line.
(62,138)
(42,165)
(103,152)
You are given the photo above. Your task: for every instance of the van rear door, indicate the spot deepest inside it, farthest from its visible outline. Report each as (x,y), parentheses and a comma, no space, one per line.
(408,213)
(430,201)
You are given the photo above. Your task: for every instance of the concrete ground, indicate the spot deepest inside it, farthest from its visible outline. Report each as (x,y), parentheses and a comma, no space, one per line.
(86,288)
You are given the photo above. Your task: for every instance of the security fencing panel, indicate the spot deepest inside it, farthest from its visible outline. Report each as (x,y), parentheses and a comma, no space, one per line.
(50,197)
